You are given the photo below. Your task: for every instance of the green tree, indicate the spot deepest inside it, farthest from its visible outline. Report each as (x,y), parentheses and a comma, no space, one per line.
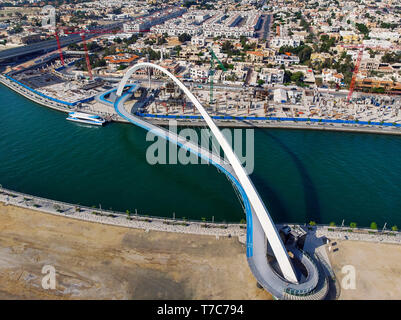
(394,228)
(297,77)
(312,223)
(391,57)
(17,29)
(352,224)
(303,52)
(326,43)
(332,224)
(373,226)
(362,28)
(184,37)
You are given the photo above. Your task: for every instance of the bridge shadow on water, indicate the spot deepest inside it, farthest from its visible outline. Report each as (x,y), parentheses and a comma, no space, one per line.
(312,205)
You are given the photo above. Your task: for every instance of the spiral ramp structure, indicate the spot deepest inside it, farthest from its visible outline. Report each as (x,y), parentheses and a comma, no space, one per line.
(299,277)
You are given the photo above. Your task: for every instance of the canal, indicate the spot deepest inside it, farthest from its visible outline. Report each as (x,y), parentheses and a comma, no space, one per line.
(302,175)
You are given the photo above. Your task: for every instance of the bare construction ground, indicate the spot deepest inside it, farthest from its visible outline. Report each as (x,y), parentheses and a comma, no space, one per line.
(95,261)
(377,267)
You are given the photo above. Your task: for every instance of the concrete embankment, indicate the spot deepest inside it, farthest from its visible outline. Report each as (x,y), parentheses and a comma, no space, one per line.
(46,102)
(121,219)
(228,124)
(132,220)
(31,96)
(281,125)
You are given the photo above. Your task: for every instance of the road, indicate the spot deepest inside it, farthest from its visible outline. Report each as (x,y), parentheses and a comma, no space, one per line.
(39,47)
(43,46)
(263,32)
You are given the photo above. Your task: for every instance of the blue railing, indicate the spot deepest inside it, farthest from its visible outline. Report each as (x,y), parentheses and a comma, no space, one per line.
(338,121)
(68,64)
(70,104)
(247,205)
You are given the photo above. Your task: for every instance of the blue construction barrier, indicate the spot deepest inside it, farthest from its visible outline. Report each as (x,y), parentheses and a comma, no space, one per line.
(338,121)
(70,104)
(131,86)
(68,64)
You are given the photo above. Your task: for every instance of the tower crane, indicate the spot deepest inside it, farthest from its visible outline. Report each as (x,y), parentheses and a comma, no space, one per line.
(212,70)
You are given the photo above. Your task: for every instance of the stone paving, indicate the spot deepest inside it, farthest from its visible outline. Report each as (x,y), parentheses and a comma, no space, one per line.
(121,219)
(180,226)
(359,234)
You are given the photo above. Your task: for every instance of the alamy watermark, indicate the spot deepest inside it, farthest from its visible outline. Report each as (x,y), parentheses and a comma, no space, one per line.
(48,13)
(198,146)
(49,280)
(348,282)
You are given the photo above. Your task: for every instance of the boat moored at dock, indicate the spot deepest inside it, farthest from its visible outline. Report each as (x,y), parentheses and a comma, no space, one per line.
(86,118)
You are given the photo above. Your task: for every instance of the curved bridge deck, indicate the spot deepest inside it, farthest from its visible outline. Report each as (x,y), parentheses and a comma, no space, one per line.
(256,242)
(207,155)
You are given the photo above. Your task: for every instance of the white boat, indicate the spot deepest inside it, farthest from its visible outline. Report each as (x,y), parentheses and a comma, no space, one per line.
(86,118)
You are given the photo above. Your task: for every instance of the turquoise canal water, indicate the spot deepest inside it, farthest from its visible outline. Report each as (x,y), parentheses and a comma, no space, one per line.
(302,175)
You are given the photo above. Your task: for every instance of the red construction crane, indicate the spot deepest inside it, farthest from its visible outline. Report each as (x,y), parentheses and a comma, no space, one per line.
(59,47)
(65,31)
(82,34)
(361,48)
(88,63)
(356,69)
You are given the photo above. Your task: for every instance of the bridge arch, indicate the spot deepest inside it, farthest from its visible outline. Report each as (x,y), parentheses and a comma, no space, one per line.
(249,189)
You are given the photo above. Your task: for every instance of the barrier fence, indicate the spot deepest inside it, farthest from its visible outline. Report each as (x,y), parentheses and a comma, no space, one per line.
(70,104)
(337,121)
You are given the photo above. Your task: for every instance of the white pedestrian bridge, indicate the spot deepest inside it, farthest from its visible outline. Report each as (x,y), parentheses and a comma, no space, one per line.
(280,277)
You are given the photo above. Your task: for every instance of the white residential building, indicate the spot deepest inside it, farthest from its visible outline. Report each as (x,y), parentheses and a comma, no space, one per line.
(384,35)
(331,75)
(278,42)
(198,41)
(199,73)
(280,96)
(272,75)
(283,59)
(378,43)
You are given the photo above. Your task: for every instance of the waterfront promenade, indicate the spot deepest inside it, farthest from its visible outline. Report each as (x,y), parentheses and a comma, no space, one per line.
(52,104)
(131,220)
(140,221)
(137,241)
(283,123)
(95,261)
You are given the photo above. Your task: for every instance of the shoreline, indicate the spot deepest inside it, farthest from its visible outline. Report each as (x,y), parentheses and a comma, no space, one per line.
(147,223)
(224,124)
(95,261)
(136,221)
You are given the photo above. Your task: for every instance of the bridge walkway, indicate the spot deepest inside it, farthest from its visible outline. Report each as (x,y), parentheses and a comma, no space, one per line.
(207,155)
(256,244)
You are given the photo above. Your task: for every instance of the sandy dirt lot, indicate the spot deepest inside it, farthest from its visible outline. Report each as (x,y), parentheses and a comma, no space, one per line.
(377,269)
(95,261)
